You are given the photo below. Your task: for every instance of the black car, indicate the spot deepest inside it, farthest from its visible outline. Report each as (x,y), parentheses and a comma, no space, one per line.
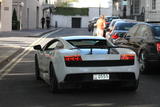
(144,39)
(91,24)
(119,29)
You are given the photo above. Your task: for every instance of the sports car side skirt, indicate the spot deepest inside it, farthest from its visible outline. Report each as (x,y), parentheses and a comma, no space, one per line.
(96,63)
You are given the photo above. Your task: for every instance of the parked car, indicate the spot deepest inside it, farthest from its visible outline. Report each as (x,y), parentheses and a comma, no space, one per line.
(79,60)
(119,29)
(109,19)
(93,28)
(115,20)
(91,24)
(144,39)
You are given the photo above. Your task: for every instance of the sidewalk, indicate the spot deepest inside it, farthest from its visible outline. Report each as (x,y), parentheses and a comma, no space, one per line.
(26,33)
(8,52)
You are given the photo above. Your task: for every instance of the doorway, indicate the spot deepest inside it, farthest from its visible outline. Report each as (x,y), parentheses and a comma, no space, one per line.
(76,22)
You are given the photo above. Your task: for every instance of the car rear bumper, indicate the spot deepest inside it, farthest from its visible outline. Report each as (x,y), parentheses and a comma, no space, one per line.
(85,72)
(116,80)
(88,77)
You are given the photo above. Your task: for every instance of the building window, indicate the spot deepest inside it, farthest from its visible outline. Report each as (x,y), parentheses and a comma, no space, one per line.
(46,1)
(136,6)
(153,4)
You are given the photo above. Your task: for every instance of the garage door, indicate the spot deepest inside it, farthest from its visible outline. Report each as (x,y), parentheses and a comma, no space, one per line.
(76,22)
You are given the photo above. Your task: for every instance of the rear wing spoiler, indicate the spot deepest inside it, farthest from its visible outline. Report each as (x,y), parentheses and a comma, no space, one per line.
(105,47)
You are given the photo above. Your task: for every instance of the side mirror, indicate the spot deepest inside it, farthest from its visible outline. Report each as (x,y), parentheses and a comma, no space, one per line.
(38,47)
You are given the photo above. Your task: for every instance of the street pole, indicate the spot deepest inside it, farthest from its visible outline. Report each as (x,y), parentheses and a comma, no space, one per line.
(124,8)
(99,7)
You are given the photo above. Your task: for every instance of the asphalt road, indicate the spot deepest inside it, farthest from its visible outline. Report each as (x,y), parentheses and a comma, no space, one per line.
(19,88)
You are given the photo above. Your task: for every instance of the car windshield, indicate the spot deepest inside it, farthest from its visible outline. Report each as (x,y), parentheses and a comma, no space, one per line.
(92,43)
(156,30)
(124,26)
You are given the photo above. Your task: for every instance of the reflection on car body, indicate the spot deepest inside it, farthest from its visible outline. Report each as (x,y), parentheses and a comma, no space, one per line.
(144,39)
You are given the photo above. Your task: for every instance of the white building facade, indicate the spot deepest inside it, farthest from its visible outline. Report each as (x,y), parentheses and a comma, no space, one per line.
(5,15)
(142,10)
(29,13)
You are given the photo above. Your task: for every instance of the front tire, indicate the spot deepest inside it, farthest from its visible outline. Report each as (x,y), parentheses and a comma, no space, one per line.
(37,71)
(53,80)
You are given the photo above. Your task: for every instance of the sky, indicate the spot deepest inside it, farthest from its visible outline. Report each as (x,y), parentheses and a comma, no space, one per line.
(93,3)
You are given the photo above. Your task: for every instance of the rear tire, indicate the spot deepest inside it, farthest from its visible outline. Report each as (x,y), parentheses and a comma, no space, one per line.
(143,64)
(37,72)
(134,86)
(53,80)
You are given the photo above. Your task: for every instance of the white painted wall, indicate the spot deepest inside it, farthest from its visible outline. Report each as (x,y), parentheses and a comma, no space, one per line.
(6,15)
(62,21)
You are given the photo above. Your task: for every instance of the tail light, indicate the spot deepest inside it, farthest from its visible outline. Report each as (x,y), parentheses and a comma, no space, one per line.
(127,57)
(115,36)
(158,46)
(107,23)
(73,58)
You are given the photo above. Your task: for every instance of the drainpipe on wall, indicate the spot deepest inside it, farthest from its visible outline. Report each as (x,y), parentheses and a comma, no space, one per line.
(99,8)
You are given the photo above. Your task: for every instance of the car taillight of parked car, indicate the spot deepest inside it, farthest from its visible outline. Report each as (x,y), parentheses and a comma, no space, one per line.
(127,57)
(107,23)
(158,46)
(115,36)
(73,58)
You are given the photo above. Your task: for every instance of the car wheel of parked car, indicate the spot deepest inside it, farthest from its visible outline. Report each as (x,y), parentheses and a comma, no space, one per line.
(37,73)
(53,80)
(143,64)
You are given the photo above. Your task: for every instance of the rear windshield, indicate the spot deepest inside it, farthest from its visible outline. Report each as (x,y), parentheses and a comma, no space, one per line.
(92,43)
(156,30)
(124,26)
(109,19)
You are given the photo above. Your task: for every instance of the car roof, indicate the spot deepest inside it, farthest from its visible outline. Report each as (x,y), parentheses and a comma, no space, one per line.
(112,16)
(123,22)
(150,24)
(81,37)
(94,18)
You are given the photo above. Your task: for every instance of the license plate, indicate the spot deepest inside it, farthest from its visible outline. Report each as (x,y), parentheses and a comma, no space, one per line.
(100,76)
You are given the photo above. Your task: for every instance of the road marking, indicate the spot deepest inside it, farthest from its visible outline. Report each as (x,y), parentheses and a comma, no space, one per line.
(6,69)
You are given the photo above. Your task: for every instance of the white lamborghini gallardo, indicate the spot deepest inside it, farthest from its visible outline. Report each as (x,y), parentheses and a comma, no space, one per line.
(85,59)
